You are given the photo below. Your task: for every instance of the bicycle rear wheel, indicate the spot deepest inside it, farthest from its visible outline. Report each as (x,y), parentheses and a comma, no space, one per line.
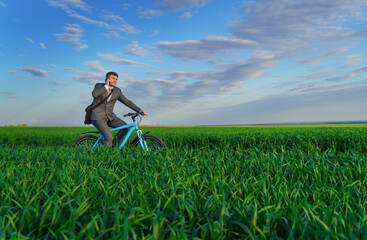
(86,142)
(154,144)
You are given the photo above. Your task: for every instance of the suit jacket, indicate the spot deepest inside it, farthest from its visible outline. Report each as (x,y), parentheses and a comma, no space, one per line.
(106,109)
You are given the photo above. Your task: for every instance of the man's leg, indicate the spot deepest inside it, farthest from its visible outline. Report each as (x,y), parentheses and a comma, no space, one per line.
(103,128)
(117,122)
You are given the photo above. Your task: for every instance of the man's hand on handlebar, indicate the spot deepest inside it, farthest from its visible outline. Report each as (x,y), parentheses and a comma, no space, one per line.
(142,113)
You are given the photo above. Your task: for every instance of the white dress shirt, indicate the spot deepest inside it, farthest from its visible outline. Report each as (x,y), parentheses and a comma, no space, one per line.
(109,89)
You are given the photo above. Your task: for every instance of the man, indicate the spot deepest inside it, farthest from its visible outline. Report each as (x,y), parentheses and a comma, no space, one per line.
(103,117)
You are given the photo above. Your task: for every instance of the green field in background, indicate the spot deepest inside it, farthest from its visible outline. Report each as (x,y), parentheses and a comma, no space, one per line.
(247,182)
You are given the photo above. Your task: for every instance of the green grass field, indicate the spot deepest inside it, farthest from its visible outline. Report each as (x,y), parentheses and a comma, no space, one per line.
(263,182)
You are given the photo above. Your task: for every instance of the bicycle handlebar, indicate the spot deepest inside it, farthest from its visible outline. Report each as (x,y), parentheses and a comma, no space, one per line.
(134,115)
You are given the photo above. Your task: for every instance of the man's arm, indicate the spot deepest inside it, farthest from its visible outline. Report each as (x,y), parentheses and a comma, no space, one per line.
(99,89)
(128,103)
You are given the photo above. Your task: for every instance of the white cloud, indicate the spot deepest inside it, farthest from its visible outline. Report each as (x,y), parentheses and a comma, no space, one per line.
(95,66)
(43,46)
(113,59)
(197,50)
(353,60)
(179,86)
(81,47)
(2,4)
(89,78)
(144,88)
(66,4)
(339,104)
(289,25)
(29,40)
(150,13)
(317,59)
(128,29)
(278,27)
(111,16)
(135,49)
(316,81)
(74,14)
(361,70)
(113,35)
(186,15)
(180,5)
(155,33)
(341,78)
(73,33)
(18,74)
(126,6)
(68,68)
(55,83)
(35,71)
(316,75)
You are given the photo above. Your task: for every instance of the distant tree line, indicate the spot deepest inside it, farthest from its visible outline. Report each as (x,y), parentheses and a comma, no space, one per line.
(19,125)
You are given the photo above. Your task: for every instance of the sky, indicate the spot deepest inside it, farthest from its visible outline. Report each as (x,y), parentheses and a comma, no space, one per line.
(185,62)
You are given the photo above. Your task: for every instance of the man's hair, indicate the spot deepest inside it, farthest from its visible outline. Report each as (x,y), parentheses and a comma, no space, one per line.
(109,74)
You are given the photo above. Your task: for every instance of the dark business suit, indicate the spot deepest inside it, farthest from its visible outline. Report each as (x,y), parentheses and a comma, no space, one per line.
(103,116)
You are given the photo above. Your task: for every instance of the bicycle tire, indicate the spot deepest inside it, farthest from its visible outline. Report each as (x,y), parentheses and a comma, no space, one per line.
(85,142)
(154,143)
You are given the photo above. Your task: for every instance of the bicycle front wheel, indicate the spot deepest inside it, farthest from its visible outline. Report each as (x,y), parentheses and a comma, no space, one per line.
(154,144)
(86,142)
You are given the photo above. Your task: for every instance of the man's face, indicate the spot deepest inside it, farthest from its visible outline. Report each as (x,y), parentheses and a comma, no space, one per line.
(113,80)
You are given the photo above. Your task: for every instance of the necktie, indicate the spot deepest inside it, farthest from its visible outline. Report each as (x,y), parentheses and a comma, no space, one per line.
(109,91)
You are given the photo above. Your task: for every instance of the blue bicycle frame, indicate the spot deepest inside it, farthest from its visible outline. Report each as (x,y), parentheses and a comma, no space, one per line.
(134,126)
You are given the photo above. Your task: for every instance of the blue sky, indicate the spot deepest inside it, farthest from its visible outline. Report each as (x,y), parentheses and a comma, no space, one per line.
(186,62)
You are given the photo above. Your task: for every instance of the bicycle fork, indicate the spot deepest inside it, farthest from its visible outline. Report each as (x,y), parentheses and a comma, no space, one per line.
(143,143)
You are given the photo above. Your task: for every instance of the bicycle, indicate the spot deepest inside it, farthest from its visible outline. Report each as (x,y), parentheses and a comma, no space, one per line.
(148,143)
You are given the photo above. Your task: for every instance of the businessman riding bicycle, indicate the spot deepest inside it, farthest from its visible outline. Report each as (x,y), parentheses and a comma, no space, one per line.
(102,116)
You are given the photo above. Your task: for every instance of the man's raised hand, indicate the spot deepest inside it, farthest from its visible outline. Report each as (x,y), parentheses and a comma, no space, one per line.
(108,82)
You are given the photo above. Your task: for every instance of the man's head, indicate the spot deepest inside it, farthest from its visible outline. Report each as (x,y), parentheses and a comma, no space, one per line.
(111,78)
